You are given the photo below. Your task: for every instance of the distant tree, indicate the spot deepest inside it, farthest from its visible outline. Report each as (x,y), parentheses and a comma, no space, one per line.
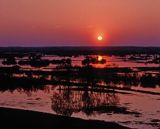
(9,61)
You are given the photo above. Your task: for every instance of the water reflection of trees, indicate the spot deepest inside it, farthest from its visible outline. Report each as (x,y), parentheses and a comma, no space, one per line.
(79,76)
(67,101)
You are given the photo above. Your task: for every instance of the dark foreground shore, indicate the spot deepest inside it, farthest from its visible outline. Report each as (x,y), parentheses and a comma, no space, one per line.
(22,119)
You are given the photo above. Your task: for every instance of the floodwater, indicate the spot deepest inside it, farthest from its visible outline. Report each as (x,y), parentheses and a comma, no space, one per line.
(136,110)
(127,107)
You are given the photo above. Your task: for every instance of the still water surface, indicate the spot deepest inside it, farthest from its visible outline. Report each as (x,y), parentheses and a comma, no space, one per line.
(126,107)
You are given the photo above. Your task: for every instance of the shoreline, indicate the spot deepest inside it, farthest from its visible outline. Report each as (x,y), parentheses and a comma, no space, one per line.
(17,118)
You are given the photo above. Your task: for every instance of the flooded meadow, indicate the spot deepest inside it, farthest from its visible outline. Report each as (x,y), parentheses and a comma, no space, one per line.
(121,88)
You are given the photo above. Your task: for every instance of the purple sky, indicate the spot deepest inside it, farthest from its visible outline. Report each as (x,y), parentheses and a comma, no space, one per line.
(79,22)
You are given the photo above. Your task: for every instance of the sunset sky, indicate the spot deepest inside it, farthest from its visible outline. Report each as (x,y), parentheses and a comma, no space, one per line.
(79,22)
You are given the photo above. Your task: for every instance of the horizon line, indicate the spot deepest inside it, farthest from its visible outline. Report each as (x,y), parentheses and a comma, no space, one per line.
(73,46)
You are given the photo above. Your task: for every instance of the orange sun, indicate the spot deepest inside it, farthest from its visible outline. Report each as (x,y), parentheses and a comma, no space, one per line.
(100,38)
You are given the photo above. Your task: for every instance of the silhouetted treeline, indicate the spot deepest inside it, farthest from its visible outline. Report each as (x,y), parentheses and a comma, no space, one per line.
(74,51)
(10,77)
